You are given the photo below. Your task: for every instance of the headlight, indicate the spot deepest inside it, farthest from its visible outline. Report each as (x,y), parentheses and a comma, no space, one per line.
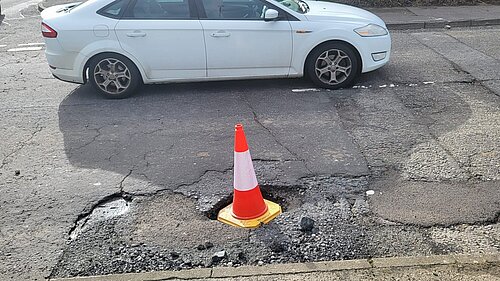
(371,30)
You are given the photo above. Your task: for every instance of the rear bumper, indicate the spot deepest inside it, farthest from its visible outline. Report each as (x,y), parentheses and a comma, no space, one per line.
(62,63)
(67,75)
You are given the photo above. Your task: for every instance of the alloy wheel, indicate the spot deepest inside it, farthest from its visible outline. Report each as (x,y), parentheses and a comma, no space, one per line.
(333,67)
(112,76)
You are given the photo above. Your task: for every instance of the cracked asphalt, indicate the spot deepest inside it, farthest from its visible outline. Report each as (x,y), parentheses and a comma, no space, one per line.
(421,133)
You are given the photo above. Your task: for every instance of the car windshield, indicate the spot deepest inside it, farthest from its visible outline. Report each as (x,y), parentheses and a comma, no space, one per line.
(298,6)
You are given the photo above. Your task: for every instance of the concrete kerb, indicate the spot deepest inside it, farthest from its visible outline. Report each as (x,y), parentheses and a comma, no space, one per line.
(485,22)
(291,268)
(192,274)
(441,24)
(297,268)
(406,26)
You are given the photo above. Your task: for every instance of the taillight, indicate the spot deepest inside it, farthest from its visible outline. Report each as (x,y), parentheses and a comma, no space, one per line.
(48,32)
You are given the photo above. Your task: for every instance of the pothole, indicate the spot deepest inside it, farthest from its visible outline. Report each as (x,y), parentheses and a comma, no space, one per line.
(288,197)
(108,208)
(222,203)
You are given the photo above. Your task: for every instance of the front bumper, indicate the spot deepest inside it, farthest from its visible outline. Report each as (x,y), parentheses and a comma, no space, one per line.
(371,47)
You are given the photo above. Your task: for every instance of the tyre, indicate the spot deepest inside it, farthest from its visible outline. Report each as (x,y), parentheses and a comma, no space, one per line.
(333,65)
(114,76)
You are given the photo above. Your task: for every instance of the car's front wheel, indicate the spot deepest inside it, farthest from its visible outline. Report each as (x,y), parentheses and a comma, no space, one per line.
(114,76)
(333,65)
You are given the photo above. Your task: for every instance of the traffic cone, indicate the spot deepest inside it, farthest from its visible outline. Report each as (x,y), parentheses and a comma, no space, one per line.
(248,209)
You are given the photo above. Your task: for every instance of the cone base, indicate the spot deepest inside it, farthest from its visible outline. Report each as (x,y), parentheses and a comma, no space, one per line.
(225,216)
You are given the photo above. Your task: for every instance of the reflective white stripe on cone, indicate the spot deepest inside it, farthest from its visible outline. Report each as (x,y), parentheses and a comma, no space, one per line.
(244,173)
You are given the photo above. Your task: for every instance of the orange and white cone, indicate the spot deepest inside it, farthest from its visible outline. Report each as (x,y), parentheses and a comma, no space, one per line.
(248,209)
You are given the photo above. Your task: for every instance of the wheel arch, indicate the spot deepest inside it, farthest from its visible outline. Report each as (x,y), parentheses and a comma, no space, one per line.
(356,51)
(87,64)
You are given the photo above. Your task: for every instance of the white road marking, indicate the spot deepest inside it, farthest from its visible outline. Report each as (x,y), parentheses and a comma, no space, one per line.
(31,44)
(305,90)
(361,87)
(2,46)
(25,49)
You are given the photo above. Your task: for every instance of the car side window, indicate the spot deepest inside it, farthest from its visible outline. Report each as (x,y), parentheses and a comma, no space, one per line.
(159,9)
(113,10)
(234,9)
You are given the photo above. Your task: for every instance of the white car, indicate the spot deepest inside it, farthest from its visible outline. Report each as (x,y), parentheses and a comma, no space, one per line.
(118,44)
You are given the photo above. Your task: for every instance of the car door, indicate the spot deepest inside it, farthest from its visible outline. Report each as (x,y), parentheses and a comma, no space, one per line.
(239,43)
(166,37)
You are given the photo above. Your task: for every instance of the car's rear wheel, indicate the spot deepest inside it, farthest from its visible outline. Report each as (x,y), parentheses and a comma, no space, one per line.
(114,76)
(333,65)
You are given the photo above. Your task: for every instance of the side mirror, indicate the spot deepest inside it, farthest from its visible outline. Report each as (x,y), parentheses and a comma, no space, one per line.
(271,15)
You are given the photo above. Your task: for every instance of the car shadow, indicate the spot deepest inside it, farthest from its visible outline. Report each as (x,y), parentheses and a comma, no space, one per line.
(86,92)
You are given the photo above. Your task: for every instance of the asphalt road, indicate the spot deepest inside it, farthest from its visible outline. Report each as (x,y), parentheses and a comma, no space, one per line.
(92,186)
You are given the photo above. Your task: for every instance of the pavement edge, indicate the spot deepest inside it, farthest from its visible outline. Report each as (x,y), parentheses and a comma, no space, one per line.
(297,268)
(442,24)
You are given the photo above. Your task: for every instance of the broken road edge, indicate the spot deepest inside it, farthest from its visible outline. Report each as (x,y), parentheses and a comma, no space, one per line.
(298,268)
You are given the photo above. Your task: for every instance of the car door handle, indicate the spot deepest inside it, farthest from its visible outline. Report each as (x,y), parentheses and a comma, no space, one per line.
(220,34)
(136,34)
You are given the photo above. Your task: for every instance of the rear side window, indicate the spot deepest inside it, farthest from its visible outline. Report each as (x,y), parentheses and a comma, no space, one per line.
(113,10)
(159,9)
